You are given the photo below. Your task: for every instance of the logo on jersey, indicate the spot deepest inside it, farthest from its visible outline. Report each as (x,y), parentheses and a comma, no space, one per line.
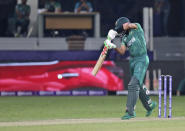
(129,44)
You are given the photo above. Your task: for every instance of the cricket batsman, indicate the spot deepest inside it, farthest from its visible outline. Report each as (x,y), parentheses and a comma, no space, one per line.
(133,39)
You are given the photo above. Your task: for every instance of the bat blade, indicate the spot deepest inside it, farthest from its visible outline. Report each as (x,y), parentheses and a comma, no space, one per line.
(100,61)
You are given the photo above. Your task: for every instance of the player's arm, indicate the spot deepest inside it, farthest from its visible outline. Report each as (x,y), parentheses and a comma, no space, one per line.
(121,50)
(128,26)
(18,13)
(28,12)
(113,33)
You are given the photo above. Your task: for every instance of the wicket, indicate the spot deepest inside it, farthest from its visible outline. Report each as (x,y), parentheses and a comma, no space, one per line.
(163,79)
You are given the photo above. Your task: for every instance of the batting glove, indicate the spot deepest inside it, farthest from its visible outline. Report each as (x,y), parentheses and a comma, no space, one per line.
(112,34)
(108,44)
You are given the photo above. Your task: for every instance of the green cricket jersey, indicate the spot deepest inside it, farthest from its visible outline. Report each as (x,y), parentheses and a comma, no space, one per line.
(24,10)
(135,42)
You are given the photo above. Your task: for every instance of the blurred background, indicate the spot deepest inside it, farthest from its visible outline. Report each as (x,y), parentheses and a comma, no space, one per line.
(40,39)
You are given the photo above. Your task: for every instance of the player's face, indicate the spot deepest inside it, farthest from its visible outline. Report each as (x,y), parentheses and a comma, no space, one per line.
(126,26)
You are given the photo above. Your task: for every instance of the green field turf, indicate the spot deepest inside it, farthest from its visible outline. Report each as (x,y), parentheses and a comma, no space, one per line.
(31,109)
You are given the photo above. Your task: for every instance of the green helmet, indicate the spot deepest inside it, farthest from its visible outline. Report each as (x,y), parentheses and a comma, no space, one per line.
(119,24)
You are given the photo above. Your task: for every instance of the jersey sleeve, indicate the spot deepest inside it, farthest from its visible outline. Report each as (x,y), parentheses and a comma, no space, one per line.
(139,28)
(28,10)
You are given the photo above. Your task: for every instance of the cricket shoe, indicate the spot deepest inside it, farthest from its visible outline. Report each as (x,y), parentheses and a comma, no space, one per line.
(152,106)
(127,116)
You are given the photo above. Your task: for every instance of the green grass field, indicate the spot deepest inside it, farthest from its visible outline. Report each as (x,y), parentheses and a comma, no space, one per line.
(82,114)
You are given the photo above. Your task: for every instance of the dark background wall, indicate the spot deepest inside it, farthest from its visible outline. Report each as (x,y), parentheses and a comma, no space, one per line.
(175,17)
(110,10)
(5,12)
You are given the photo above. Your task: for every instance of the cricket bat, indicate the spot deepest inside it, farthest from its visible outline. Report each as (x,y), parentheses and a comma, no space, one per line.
(100,61)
